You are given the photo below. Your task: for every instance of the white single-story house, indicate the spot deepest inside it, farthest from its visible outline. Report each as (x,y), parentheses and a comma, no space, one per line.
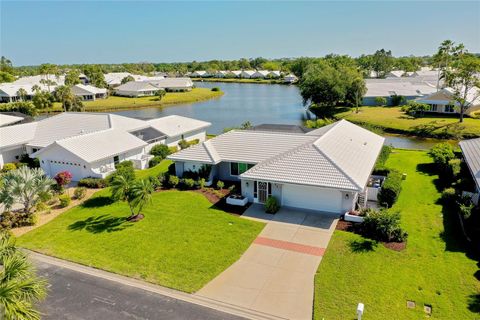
(172,84)
(136,89)
(114,79)
(274,74)
(233,73)
(40,79)
(290,78)
(442,101)
(325,170)
(260,74)
(471,154)
(9,92)
(220,74)
(247,74)
(88,92)
(200,74)
(387,88)
(90,144)
(395,74)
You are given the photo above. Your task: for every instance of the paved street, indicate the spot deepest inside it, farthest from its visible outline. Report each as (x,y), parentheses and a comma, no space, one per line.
(76,295)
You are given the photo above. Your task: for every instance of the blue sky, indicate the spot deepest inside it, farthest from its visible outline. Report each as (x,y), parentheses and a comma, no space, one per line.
(119,31)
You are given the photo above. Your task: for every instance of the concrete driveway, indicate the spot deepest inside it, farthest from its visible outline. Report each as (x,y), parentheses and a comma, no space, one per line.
(276,274)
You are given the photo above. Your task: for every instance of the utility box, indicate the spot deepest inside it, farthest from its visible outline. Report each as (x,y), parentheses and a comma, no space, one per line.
(360,308)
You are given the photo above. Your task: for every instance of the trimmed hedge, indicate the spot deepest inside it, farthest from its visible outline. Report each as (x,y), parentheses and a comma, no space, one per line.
(382,158)
(271,205)
(383,226)
(65,200)
(92,183)
(391,188)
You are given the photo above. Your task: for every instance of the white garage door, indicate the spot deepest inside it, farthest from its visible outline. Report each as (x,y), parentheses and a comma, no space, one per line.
(74,169)
(311,198)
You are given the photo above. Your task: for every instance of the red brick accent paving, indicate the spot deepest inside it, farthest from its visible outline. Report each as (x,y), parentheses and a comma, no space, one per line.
(292,246)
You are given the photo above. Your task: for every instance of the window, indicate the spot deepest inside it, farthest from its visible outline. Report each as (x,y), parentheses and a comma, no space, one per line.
(255,189)
(116,160)
(449,108)
(239,168)
(433,107)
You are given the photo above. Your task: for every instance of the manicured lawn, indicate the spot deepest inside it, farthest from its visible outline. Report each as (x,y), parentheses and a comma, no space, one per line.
(434,268)
(117,103)
(162,167)
(393,119)
(182,242)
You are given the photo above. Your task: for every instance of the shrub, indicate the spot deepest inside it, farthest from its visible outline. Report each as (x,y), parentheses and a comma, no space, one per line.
(9,167)
(465,206)
(31,163)
(215,89)
(271,205)
(449,195)
(183,144)
(381,101)
(453,168)
(383,225)
(80,193)
(124,168)
(397,100)
(220,184)
(188,183)
(155,161)
(93,183)
(155,181)
(41,206)
(415,108)
(390,190)
(172,149)
(173,181)
(10,220)
(201,183)
(383,157)
(65,200)
(63,178)
(442,153)
(160,150)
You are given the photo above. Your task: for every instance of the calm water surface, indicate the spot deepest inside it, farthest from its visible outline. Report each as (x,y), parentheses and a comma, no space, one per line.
(257,103)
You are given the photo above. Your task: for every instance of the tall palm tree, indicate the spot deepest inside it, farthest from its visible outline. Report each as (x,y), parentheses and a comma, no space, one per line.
(120,187)
(22,94)
(70,102)
(140,195)
(20,288)
(24,186)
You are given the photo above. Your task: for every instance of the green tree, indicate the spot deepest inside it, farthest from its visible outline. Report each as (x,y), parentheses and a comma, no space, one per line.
(6,77)
(20,288)
(24,186)
(127,79)
(355,92)
(6,65)
(445,56)
(70,102)
(48,69)
(121,186)
(160,94)
(95,75)
(42,100)
(141,195)
(382,62)
(72,77)
(464,81)
(22,94)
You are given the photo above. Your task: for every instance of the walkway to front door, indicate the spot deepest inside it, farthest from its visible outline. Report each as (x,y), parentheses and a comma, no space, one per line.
(275,275)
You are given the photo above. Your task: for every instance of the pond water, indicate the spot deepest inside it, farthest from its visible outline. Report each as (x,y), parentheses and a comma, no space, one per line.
(257,103)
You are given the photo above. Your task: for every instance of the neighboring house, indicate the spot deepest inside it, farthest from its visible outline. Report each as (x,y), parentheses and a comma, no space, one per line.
(114,79)
(88,92)
(39,79)
(136,89)
(9,92)
(274,74)
(260,74)
(220,74)
(90,144)
(83,78)
(290,78)
(233,73)
(200,74)
(471,154)
(388,88)
(442,101)
(247,74)
(325,170)
(395,74)
(9,120)
(172,84)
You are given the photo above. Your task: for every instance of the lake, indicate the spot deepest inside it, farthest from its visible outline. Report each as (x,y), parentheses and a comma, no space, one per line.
(257,103)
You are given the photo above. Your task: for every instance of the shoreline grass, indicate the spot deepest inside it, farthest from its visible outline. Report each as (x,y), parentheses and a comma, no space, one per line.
(124,103)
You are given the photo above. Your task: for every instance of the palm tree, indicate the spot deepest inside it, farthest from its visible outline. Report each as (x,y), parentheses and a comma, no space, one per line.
(22,94)
(20,288)
(140,195)
(36,88)
(24,186)
(70,102)
(120,187)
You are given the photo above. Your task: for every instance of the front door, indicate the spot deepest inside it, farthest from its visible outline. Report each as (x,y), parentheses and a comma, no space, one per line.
(262,191)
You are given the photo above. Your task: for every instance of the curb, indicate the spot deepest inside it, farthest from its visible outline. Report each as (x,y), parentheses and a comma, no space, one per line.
(190,298)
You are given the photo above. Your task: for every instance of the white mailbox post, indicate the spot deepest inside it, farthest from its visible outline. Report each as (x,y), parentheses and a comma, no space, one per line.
(360,308)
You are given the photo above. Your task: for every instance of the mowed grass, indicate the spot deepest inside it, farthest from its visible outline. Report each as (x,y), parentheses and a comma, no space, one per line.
(182,242)
(120,103)
(392,118)
(162,167)
(434,268)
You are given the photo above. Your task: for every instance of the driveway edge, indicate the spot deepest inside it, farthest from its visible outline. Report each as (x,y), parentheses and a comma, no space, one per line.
(175,294)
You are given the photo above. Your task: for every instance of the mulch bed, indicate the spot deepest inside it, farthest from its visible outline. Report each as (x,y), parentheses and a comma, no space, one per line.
(396,246)
(221,202)
(344,225)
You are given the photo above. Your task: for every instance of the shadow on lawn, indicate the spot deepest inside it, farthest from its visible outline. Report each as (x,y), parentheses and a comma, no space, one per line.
(99,224)
(474,303)
(364,245)
(97,202)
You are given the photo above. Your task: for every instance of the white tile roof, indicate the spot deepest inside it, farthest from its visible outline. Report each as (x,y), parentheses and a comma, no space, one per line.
(471,153)
(389,87)
(6,119)
(82,89)
(137,86)
(176,125)
(172,83)
(32,80)
(340,155)
(17,135)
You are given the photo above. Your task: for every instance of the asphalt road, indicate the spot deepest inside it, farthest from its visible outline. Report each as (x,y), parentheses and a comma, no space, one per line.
(75,295)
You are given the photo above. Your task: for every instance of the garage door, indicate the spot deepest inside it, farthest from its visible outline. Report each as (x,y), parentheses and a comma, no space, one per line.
(74,169)
(311,198)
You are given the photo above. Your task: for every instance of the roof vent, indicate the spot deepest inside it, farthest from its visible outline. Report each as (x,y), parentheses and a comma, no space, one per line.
(365,143)
(82,131)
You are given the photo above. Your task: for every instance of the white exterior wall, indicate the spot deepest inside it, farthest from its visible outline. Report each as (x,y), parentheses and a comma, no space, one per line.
(11,154)
(134,93)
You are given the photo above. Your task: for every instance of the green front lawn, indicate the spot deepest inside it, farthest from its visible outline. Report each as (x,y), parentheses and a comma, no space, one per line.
(393,119)
(162,167)
(434,269)
(182,242)
(120,103)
